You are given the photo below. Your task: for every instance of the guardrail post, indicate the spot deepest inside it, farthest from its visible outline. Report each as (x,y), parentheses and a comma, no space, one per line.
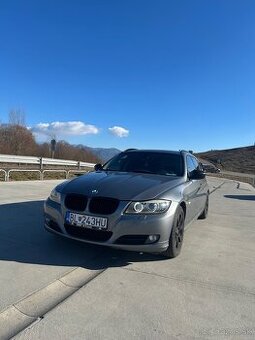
(79,165)
(41,163)
(5,174)
(8,176)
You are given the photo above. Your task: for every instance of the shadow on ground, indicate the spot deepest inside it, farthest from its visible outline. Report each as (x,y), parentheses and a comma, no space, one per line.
(241,197)
(24,239)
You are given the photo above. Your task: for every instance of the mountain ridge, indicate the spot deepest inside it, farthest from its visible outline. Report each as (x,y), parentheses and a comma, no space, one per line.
(103,153)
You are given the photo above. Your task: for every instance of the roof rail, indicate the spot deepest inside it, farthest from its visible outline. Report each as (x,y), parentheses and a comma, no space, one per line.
(188,151)
(131,149)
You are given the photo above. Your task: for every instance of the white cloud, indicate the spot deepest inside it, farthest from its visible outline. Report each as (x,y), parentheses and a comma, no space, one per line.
(72,128)
(119,131)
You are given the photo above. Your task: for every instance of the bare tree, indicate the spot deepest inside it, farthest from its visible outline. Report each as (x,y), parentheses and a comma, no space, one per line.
(17,140)
(17,117)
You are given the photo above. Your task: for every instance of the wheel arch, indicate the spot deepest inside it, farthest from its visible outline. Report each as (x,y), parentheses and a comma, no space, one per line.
(183,205)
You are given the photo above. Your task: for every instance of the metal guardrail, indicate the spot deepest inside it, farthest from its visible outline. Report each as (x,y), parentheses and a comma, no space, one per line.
(42,161)
(20,170)
(5,174)
(41,172)
(237,176)
(80,172)
(53,170)
(19,159)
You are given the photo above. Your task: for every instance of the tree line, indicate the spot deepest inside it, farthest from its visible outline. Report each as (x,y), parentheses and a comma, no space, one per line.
(17,139)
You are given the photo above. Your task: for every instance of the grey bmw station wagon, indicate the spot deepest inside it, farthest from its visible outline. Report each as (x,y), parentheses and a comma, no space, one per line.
(140,200)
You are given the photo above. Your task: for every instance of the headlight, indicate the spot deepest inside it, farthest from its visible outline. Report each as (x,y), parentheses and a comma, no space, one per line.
(55,196)
(148,207)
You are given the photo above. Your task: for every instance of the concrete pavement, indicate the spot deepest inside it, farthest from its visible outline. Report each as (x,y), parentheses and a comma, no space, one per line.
(208,291)
(30,256)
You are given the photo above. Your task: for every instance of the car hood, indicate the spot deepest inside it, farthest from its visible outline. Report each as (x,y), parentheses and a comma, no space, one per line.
(121,185)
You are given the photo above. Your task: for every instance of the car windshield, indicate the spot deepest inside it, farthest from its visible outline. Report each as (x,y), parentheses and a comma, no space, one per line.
(160,163)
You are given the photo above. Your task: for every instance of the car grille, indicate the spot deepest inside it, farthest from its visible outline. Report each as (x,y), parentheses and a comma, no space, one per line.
(76,202)
(132,239)
(88,234)
(103,205)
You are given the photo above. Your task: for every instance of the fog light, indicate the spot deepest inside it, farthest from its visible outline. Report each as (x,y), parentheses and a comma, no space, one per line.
(152,238)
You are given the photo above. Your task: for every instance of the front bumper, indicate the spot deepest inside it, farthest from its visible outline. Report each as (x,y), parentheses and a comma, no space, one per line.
(119,226)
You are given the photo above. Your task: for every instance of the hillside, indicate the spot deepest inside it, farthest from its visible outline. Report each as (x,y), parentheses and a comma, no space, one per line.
(237,159)
(103,153)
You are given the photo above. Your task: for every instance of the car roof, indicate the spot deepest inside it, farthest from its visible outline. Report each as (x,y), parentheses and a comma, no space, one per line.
(159,151)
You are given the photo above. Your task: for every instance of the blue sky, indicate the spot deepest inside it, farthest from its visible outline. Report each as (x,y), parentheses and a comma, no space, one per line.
(174,74)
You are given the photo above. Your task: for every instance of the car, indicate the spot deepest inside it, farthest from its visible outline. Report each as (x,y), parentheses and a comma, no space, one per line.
(210,168)
(140,200)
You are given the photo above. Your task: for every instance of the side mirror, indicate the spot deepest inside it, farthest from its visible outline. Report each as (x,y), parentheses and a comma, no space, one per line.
(98,167)
(201,166)
(196,174)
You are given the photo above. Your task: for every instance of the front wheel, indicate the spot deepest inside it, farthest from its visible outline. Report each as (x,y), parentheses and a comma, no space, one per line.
(176,236)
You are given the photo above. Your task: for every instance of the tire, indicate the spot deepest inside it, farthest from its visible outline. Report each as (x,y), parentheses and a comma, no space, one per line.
(176,236)
(205,211)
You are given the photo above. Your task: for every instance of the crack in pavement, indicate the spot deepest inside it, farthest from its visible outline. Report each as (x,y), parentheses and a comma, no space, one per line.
(211,286)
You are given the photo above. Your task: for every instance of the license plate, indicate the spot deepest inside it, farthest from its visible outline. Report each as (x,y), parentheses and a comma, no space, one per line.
(86,221)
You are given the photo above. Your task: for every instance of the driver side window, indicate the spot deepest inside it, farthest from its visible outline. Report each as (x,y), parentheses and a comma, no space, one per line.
(196,163)
(190,165)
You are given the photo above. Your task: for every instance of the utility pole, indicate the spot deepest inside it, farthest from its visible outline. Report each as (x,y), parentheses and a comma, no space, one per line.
(53,147)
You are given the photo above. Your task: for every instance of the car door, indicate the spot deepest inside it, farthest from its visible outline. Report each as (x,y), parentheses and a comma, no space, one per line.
(202,192)
(191,192)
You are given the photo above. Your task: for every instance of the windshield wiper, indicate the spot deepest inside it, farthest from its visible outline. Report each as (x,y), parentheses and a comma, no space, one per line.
(138,171)
(143,171)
